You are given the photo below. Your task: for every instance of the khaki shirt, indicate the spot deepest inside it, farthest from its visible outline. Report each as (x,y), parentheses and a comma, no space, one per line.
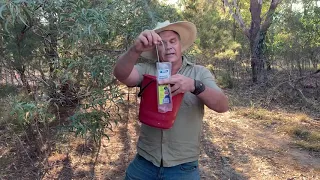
(181,143)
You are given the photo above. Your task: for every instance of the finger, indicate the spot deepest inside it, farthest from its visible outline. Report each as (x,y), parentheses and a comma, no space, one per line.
(145,34)
(177,76)
(174,88)
(156,38)
(176,92)
(172,80)
(165,81)
(143,40)
(149,37)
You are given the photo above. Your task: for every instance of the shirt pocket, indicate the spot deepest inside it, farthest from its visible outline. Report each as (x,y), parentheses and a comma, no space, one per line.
(190,100)
(190,166)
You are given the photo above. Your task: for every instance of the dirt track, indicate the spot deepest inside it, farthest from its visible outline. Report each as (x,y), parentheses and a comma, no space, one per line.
(232,148)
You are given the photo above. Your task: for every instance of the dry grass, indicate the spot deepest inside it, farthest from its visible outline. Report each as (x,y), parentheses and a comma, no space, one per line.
(304,134)
(309,146)
(259,150)
(302,117)
(259,114)
(305,137)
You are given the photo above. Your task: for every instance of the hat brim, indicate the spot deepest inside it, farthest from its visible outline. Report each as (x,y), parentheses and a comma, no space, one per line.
(186,30)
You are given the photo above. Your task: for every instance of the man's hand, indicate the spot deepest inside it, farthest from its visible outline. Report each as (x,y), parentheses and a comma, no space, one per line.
(180,84)
(146,41)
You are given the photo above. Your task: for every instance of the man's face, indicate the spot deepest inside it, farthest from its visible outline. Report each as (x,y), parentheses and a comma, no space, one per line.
(171,52)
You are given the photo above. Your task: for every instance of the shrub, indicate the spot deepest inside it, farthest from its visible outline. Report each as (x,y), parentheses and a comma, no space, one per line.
(225,80)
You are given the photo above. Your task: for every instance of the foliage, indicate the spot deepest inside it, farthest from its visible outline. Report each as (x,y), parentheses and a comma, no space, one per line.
(95,115)
(7,90)
(64,51)
(26,113)
(295,37)
(225,80)
(68,49)
(215,39)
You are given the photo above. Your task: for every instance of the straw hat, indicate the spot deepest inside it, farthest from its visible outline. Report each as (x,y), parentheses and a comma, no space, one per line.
(185,29)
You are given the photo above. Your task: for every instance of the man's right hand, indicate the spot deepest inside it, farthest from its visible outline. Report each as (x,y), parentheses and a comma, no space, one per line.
(146,41)
(124,69)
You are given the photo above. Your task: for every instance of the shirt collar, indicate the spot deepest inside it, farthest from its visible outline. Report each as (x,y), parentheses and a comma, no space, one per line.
(185,61)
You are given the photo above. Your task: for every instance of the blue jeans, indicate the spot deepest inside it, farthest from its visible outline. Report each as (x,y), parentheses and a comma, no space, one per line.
(141,169)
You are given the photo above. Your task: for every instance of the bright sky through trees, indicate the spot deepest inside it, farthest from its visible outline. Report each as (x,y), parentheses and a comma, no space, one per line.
(170,1)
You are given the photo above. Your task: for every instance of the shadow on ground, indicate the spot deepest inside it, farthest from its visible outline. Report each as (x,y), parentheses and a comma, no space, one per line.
(214,165)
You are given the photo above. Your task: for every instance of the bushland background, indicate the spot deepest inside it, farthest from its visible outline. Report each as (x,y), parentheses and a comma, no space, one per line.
(64,116)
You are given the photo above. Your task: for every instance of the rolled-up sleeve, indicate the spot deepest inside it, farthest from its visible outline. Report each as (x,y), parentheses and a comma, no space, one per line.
(208,79)
(142,69)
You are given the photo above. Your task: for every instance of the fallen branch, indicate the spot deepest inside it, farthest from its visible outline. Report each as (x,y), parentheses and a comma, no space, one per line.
(309,75)
(301,94)
(292,83)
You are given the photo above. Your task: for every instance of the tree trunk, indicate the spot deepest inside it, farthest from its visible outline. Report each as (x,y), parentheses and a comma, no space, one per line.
(313,60)
(51,46)
(24,80)
(268,63)
(299,64)
(257,60)
(6,73)
(269,58)
(255,41)
(255,34)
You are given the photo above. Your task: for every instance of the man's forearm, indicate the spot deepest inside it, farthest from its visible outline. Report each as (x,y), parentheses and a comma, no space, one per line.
(125,64)
(214,99)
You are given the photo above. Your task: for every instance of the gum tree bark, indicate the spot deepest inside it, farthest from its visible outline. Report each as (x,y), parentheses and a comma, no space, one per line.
(256,33)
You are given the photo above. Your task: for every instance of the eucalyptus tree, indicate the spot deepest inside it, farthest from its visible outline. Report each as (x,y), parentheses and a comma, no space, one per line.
(68,48)
(261,19)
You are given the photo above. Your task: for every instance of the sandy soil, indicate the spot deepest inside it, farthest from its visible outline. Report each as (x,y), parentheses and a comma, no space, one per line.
(232,147)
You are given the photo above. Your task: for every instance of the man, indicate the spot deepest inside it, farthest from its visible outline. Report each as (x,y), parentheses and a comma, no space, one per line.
(172,153)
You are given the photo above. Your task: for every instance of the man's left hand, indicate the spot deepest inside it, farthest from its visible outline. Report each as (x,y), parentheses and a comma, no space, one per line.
(179,84)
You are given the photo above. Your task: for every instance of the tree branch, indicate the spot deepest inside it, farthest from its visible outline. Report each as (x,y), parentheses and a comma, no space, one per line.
(237,16)
(292,83)
(267,22)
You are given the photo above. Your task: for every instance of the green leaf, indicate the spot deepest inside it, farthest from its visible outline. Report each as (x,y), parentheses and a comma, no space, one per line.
(19,1)
(6,26)
(23,21)
(105,135)
(1,9)
(89,29)
(27,14)
(83,11)
(13,15)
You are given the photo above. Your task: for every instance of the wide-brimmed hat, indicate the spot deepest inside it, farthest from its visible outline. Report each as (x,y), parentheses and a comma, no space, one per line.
(186,30)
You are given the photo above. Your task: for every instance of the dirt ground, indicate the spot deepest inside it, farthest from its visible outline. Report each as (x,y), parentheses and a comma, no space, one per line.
(233,147)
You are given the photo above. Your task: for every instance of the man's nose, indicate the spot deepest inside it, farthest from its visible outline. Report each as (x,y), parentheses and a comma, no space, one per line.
(168,46)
